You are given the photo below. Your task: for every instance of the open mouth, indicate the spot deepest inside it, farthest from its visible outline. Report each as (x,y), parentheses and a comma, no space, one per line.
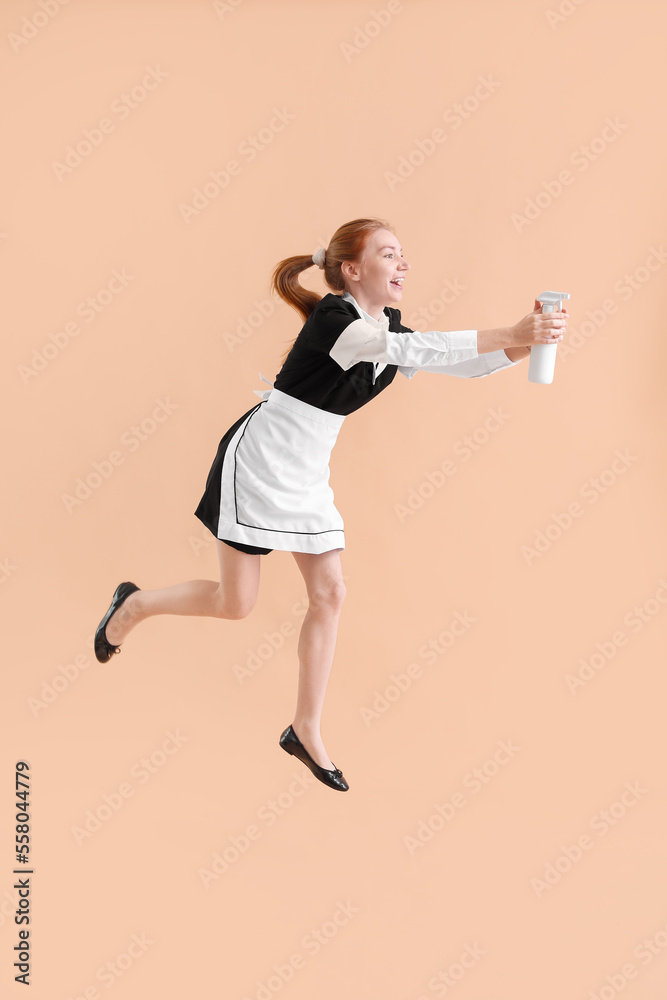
(397,282)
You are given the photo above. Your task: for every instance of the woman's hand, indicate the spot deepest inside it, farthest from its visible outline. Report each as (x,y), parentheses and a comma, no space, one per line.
(535,328)
(539,328)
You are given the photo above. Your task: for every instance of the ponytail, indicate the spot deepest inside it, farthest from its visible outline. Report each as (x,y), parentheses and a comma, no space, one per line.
(347,243)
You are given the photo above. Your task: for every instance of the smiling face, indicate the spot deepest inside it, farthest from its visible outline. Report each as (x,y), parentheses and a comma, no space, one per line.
(376,279)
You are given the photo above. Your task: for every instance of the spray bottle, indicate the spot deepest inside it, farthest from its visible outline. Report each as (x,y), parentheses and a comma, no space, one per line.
(543,356)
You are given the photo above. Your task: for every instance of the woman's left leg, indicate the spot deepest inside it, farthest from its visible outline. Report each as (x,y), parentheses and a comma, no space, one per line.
(323,575)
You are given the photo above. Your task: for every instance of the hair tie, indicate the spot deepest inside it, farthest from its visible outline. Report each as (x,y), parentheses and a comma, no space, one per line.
(318,257)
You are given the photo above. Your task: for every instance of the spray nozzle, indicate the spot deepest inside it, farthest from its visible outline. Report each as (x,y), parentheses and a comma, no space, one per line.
(551,300)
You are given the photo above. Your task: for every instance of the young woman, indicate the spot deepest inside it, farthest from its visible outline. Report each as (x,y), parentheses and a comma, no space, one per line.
(268,487)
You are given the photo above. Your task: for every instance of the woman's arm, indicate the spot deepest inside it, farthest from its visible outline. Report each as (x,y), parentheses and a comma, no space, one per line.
(505,338)
(453,353)
(517,353)
(483,364)
(435,350)
(362,342)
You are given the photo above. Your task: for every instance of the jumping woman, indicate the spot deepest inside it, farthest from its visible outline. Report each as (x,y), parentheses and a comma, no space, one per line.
(268,487)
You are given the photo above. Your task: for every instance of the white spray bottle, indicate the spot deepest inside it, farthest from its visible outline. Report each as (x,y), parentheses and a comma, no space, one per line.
(543,356)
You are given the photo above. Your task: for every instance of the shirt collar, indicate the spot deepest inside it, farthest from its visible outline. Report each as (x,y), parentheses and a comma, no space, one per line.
(380,324)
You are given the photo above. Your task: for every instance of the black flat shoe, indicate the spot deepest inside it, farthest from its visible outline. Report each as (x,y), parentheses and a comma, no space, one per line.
(290,742)
(103,648)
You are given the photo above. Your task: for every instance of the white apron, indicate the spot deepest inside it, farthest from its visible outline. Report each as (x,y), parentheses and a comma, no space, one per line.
(275,489)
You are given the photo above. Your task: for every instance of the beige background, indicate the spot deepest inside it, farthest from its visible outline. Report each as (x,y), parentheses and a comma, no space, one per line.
(364,85)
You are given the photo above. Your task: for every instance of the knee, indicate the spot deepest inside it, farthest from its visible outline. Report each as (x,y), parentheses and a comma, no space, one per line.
(237,611)
(328,596)
(234,608)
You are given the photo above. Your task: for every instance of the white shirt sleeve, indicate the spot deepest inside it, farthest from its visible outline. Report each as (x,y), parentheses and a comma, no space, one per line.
(483,364)
(452,353)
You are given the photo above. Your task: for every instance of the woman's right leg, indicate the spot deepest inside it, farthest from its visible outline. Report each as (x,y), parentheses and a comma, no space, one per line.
(233,597)
(323,576)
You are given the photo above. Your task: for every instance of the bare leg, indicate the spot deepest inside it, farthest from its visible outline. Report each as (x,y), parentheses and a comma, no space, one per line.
(233,597)
(323,575)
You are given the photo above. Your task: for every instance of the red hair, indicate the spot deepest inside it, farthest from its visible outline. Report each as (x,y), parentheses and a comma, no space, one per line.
(347,243)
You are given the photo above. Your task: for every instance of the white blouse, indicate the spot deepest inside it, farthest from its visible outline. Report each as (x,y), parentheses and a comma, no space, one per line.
(453,353)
